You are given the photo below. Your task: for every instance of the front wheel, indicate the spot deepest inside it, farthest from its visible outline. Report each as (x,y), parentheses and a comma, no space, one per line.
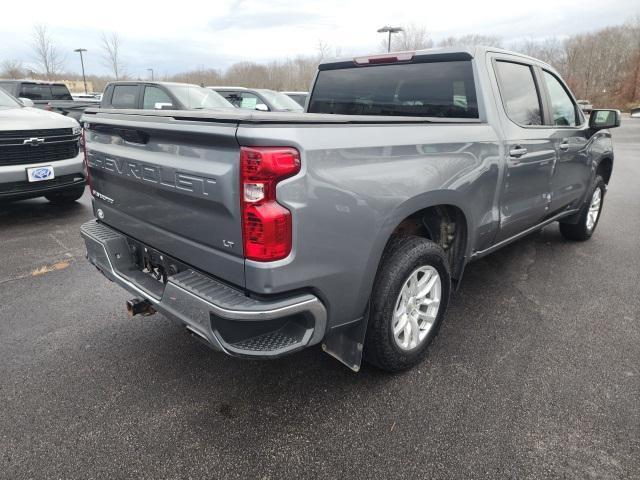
(408,303)
(589,214)
(66,196)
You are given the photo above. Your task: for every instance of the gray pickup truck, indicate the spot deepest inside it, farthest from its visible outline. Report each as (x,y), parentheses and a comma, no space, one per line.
(348,225)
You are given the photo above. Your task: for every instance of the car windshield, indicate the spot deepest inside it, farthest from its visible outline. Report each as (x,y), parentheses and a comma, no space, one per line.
(7,101)
(280,101)
(196,98)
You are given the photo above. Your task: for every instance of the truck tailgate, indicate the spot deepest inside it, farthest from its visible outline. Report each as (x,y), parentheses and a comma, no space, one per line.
(172,186)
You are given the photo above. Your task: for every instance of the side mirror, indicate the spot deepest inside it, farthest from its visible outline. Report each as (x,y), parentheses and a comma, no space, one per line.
(262,107)
(163,106)
(27,102)
(601,119)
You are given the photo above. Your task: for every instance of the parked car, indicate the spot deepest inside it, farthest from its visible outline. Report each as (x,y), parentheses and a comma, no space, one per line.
(299,97)
(160,96)
(353,222)
(50,96)
(585,106)
(258,99)
(39,153)
(635,112)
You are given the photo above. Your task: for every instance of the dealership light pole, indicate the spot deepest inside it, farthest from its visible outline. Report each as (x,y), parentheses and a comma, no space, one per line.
(84,79)
(150,70)
(391,30)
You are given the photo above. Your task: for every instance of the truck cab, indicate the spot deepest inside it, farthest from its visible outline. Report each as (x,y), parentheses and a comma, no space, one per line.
(145,95)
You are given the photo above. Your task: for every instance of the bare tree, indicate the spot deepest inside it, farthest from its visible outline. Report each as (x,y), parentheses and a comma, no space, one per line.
(200,76)
(412,37)
(326,51)
(12,69)
(47,55)
(550,50)
(111,54)
(472,40)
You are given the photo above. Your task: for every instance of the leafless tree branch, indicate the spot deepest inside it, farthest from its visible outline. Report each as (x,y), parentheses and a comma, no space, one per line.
(47,55)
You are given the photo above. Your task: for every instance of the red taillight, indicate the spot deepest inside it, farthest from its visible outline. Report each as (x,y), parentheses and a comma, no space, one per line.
(83,145)
(266,225)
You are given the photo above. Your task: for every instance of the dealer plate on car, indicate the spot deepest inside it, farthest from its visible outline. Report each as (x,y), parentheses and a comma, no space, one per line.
(39,174)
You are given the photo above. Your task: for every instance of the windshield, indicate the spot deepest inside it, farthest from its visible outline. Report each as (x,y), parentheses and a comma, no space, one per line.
(7,101)
(196,98)
(280,101)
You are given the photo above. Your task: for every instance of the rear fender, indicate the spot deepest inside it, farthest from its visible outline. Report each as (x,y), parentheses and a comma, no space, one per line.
(345,342)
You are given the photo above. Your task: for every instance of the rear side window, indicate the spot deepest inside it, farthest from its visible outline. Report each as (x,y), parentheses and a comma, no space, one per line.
(155,96)
(35,91)
(234,97)
(519,93)
(436,89)
(60,92)
(249,100)
(124,96)
(563,110)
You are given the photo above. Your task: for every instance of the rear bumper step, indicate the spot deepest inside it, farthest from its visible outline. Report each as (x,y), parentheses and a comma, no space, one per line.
(223,316)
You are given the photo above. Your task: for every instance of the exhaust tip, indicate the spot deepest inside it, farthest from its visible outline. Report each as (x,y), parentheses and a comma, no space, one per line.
(138,306)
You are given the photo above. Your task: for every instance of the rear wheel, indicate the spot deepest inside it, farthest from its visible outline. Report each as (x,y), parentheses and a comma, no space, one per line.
(589,214)
(65,196)
(408,303)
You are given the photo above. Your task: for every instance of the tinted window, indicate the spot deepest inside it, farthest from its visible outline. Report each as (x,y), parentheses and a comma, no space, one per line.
(153,95)
(60,92)
(299,98)
(519,93)
(35,91)
(563,111)
(439,89)
(124,96)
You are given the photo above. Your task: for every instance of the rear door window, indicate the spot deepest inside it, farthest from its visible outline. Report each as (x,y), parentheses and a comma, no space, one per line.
(60,92)
(432,89)
(519,93)
(249,100)
(125,96)
(233,97)
(35,91)
(155,96)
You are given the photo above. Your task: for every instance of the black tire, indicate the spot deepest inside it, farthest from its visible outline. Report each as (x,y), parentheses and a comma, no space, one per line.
(403,255)
(580,231)
(66,196)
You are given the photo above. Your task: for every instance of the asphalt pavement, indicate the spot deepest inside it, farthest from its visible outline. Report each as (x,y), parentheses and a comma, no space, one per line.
(535,373)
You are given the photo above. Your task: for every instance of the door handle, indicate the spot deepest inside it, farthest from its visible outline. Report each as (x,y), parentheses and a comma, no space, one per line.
(564,145)
(517,151)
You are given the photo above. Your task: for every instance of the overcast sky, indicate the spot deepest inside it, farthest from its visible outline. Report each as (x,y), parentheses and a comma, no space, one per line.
(176,36)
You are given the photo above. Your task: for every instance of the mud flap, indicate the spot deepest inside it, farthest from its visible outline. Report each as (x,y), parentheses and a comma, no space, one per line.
(345,343)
